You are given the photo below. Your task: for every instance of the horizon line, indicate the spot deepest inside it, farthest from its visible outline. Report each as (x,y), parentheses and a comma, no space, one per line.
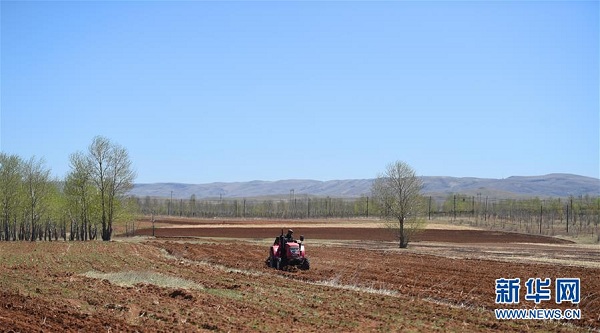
(340,179)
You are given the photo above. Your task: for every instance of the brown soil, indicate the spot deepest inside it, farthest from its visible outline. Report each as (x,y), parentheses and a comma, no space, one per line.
(378,234)
(452,283)
(369,286)
(20,313)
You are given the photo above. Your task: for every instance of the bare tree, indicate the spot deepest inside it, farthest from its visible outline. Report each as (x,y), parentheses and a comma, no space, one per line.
(397,193)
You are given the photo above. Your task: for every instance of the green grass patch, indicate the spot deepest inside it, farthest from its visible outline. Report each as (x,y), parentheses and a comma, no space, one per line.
(226,293)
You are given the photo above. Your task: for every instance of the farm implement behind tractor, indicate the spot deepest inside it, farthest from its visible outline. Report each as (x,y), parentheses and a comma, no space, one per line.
(287,254)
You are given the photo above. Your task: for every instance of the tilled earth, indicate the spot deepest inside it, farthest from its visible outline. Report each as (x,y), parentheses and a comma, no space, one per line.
(47,287)
(327,229)
(378,234)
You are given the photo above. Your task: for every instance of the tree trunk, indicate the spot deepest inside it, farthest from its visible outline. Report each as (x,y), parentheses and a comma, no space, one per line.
(403,239)
(33,230)
(105,225)
(105,234)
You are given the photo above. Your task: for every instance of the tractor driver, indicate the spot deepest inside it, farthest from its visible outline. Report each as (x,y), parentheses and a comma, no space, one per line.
(289,237)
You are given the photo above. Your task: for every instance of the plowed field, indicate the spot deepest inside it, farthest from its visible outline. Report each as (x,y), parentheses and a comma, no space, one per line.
(215,283)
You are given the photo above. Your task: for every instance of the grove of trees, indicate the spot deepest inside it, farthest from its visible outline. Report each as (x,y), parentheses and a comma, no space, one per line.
(93,194)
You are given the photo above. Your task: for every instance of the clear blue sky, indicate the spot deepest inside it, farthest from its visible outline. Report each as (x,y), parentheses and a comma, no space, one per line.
(202,92)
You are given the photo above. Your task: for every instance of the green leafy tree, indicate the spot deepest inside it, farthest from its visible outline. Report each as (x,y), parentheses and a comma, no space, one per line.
(11,175)
(112,175)
(36,180)
(57,208)
(82,196)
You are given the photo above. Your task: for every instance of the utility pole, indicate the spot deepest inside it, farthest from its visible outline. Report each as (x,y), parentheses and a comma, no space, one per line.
(478,207)
(170,203)
(153,235)
(220,204)
(290,201)
(486,205)
(541,216)
(567,217)
(429,209)
(454,207)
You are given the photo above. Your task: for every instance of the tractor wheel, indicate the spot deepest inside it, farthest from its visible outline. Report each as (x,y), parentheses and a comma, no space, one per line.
(272,262)
(279,265)
(270,259)
(305,265)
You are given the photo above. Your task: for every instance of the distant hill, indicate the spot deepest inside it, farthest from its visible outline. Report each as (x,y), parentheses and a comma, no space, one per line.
(552,185)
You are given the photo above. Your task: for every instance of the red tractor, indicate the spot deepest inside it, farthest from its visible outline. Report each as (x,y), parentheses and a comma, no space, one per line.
(286,253)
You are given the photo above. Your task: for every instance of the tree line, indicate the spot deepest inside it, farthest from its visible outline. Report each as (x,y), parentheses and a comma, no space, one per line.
(548,216)
(93,195)
(573,215)
(83,206)
(304,207)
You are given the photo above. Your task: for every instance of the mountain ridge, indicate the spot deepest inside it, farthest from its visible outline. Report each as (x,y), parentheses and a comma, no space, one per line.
(551,185)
